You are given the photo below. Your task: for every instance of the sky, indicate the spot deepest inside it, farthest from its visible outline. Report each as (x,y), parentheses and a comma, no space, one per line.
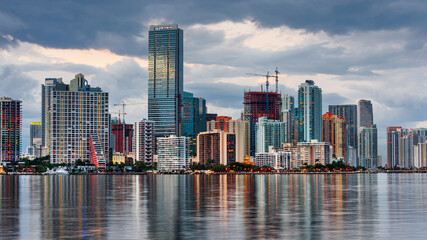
(359,49)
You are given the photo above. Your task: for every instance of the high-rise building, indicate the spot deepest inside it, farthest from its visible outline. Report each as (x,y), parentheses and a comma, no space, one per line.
(349,113)
(35,132)
(334,132)
(47,88)
(165,79)
(144,141)
(200,111)
(255,107)
(240,128)
(79,123)
(288,116)
(194,115)
(393,136)
(216,147)
(365,114)
(122,143)
(173,153)
(309,111)
(11,130)
(269,133)
(368,147)
(314,152)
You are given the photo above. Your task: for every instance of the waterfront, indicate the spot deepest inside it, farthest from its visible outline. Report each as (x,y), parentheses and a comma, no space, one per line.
(333,206)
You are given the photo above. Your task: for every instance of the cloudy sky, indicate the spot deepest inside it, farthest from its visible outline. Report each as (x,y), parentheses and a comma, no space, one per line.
(352,49)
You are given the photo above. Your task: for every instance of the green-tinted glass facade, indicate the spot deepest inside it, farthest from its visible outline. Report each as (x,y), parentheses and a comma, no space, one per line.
(309,111)
(165,79)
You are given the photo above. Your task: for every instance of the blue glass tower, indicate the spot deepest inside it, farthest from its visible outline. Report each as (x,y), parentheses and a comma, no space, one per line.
(165,79)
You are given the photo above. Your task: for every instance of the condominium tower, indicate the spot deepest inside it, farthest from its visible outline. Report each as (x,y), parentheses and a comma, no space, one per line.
(309,111)
(11,129)
(165,79)
(144,141)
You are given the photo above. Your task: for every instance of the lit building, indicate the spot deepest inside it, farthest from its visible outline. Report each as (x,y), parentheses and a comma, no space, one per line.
(309,111)
(165,79)
(277,160)
(368,147)
(216,147)
(269,133)
(144,141)
(334,132)
(11,130)
(349,113)
(314,152)
(172,153)
(240,128)
(79,123)
(255,107)
(365,114)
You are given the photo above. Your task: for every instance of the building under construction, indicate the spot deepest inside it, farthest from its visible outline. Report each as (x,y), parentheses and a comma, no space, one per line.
(257,106)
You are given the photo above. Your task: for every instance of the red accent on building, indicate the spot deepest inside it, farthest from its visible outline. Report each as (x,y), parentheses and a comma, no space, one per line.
(221,120)
(256,105)
(117,130)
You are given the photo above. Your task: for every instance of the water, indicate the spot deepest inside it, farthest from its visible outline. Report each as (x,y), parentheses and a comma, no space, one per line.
(362,206)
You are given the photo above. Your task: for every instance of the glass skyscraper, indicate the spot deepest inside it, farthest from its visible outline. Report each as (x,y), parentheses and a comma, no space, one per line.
(165,79)
(309,111)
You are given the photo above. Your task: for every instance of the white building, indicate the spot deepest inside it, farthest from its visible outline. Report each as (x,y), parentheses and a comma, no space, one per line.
(173,153)
(277,160)
(314,152)
(144,140)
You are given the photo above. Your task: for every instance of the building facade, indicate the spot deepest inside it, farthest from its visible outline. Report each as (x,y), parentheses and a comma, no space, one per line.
(144,141)
(269,133)
(79,123)
(276,160)
(123,135)
(216,147)
(309,111)
(11,130)
(368,147)
(173,153)
(365,114)
(165,79)
(314,152)
(334,132)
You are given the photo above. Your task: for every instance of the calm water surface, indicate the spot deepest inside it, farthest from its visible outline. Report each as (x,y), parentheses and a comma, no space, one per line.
(361,206)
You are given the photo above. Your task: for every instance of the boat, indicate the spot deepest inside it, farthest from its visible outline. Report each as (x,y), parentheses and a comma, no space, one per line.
(58,171)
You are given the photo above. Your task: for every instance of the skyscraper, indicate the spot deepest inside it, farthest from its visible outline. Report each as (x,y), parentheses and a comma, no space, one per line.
(365,114)
(309,111)
(173,153)
(165,79)
(288,116)
(393,136)
(368,147)
(334,132)
(79,124)
(11,129)
(269,133)
(35,132)
(144,141)
(216,146)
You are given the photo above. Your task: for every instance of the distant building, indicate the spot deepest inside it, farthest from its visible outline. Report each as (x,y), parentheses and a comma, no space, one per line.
(365,114)
(240,128)
(216,147)
(277,160)
(269,133)
(144,141)
(78,121)
(334,132)
(368,147)
(165,79)
(11,130)
(309,111)
(173,153)
(35,132)
(288,115)
(349,113)
(314,152)
(393,136)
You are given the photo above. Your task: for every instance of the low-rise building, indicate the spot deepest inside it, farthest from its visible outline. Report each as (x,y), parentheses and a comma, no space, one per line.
(173,153)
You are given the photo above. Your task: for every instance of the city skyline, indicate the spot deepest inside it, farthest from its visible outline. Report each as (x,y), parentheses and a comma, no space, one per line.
(220,49)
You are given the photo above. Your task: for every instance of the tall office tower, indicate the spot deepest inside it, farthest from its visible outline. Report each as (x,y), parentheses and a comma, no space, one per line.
(368,147)
(11,130)
(200,111)
(47,88)
(240,128)
(79,124)
(288,116)
(35,132)
(165,79)
(172,153)
(365,116)
(393,136)
(144,141)
(122,143)
(216,146)
(309,111)
(269,133)
(188,114)
(255,107)
(334,132)
(349,113)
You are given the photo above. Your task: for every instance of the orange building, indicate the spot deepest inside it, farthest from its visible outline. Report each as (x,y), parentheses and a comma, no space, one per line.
(334,132)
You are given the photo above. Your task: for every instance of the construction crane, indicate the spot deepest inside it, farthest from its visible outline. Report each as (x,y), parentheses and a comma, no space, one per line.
(267,83)
(123,104)
(277,79)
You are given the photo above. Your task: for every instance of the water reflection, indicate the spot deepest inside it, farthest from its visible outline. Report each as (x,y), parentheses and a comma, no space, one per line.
(226,206)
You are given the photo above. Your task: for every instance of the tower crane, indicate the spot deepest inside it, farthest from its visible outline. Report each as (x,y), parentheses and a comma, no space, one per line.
(123,104)
(267,83)
(277,79)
